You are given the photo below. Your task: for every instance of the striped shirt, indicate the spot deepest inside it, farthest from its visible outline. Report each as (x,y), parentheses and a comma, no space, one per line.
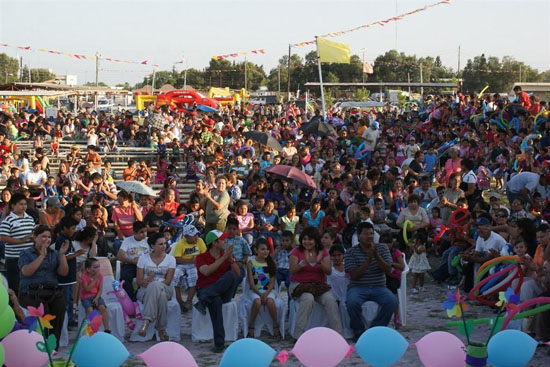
(15,227)
(374,275)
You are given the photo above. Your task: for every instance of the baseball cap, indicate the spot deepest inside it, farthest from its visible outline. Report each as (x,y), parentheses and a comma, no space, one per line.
(482,221)
(494,195)
(53,201)
(214,235)
(190,230)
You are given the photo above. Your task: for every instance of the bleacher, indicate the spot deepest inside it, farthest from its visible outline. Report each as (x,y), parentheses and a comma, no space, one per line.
(119,161)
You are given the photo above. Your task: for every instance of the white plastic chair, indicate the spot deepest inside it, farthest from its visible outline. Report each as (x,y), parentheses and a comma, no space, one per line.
(402,293)
(114,309)
(201,325)
(264,318)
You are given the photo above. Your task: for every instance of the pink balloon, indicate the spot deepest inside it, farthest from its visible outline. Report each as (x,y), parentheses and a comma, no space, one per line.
(167,354)
(321,347)
(20,349)
(441,349)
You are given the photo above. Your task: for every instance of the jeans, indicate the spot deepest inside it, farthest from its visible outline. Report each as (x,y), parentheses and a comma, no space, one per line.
(355,298)
(445,266)
(53,305)
(267,234)
(239,280)
(128,273)
(249,237)
(12,273)
(283,276)
(68,295)
(214,296)
(116,245)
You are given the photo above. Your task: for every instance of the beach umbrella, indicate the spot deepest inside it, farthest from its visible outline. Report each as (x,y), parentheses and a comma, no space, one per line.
(319,128)
(336,121)
(294,174)
(264,139)
(136,187)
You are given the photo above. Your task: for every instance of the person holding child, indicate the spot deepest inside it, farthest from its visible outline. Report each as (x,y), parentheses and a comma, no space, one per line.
(91,289)
(261,276)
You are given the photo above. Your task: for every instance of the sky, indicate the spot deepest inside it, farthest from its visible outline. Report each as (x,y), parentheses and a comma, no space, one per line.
(167,31)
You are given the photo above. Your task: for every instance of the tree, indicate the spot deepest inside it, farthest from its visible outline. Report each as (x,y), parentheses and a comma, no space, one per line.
(125,86)
(37,75)
(499,75)
(99,84)
(9,68)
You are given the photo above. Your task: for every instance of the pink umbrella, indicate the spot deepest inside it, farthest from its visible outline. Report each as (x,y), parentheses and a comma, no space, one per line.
(293,173)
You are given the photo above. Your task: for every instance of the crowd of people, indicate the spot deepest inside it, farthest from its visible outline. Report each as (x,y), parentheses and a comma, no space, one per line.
(445,177)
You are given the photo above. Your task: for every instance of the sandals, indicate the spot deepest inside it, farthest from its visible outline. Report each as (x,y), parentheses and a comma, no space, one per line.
(163,336)
(143,329)
(276,333)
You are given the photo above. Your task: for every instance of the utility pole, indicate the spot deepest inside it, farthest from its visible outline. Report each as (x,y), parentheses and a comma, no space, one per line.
(396,13)
(520,73)
(97,56)
(458,66)
(245,73)
(30,78)
(363,50)
(153,82)
(279,78)
(185,73)
(421,81)
(288,76)
(409,79)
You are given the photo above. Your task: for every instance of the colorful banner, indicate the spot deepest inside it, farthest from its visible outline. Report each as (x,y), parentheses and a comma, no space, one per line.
(78,56)
(237,54)
(380,23)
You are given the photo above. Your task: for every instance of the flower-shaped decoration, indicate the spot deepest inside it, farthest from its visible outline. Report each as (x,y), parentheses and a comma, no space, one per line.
(94,322)
(508,299)
(454,304)
(37,314)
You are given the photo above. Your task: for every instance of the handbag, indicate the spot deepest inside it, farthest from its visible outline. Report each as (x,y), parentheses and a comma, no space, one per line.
(315,288)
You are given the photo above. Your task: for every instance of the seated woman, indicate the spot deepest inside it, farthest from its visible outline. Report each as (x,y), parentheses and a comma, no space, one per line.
(309,267)
(155,271)
(414,213)
(40,267)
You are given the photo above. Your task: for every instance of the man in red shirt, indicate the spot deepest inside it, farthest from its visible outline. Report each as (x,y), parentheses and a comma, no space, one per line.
(217,274)
(522,105)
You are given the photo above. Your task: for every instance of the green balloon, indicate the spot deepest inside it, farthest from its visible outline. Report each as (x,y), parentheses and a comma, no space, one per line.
(1,355)
(4,298)
(7,320)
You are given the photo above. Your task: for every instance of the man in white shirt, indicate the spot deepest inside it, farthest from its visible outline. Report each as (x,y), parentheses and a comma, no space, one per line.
(131,249)
(488,246)
(36,179)
(523,185)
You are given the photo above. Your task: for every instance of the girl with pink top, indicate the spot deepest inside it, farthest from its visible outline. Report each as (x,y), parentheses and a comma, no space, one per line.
(91,288)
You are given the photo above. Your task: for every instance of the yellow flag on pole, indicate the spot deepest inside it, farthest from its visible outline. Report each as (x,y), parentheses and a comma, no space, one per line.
(330,51)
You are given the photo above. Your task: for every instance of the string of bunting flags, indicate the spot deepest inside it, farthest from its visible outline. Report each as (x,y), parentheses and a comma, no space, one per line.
(337,34)
(237,54)
(77,55)
(380,23)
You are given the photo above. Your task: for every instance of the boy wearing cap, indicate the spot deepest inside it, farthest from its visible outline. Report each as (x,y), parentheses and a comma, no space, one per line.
(185,252)
(217,274)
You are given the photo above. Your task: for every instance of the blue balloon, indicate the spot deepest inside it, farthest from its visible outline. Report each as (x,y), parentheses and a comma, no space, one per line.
(510,348)
(381,346)
(102,349)
(248,352)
